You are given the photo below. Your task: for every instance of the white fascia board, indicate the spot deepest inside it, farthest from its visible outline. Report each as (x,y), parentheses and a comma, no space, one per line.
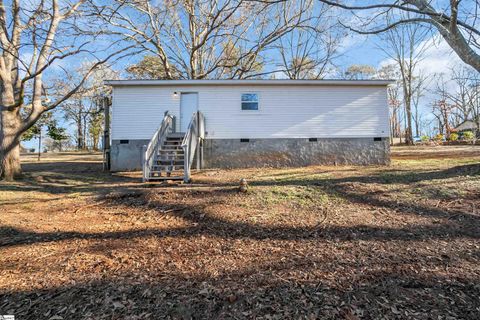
(248,82)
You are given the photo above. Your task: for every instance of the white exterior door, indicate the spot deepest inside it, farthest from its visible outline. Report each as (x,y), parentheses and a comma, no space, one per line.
(188,105)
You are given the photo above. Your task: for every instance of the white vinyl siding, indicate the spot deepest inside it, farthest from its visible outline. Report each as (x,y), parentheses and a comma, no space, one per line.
(284,111)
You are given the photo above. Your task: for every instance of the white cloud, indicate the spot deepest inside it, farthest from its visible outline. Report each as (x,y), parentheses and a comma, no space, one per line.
(439,57)
(350,41)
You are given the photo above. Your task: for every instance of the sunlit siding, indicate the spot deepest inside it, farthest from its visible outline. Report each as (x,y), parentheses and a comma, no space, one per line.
(284,111)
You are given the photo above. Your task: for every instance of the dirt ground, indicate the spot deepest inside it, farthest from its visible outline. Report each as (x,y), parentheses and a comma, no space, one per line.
(322,242)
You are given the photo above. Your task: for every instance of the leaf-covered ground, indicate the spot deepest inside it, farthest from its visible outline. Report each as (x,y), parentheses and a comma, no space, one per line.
(396,242)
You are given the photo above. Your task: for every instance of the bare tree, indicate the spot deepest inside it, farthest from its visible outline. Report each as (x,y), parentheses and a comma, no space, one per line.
(82,109)
(189,37)
(34,37)
(455,20)
(360,72)
(419,88)
(467,96)
(150,67)
(406,44)
(442,108)
(390,72)
(462,95)
(308,52)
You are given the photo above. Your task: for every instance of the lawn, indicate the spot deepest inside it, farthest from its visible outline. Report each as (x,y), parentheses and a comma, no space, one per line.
(377,242)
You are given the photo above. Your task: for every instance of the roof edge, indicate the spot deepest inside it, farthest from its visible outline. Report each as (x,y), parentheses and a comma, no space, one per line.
(332,82)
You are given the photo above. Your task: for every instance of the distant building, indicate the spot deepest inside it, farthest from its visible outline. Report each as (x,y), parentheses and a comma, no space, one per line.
(467,125)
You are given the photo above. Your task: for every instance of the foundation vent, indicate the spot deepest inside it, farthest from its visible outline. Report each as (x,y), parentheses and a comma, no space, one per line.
(312,139)
(244,140)
(124,141)
(377,139)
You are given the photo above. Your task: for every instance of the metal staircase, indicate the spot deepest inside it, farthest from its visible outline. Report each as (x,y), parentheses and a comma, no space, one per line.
(170,154)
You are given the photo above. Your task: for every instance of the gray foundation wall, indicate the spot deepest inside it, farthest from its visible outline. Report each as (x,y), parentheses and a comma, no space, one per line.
(231,153)
(226,153)
(126,156)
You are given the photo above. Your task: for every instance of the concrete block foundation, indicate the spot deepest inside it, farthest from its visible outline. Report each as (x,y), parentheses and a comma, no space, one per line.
(234,153)
(126,155)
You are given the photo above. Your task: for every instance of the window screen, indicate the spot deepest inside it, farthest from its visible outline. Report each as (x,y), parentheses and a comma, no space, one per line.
(249,101)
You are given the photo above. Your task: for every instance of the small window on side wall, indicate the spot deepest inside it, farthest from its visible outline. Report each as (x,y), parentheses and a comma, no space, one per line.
(249,101)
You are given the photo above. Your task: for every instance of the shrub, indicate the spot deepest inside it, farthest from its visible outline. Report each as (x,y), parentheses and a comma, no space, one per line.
(468,135)
(453,137)
(425,138)
(439,137)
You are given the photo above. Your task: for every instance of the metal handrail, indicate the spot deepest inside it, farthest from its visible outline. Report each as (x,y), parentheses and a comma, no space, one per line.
(193,138)
(158,137)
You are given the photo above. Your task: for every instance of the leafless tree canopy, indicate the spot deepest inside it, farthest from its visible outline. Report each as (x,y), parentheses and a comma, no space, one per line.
(458,99)
(308,52)
(456,21)
(199,39)
(406,45)
(35,37)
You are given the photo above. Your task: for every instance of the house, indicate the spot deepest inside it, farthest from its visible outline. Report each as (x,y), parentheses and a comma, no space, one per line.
(467,125)
(164,126)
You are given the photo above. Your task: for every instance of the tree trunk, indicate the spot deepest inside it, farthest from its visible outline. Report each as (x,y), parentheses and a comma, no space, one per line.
(417,122)
(79,132)
(84,135)
(39,144)
(9,144)
(95,139)
(408,131)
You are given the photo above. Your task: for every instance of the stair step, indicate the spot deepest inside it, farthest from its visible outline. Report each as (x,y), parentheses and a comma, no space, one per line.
(176,135)
(167,167)
(170,150)
(166,178)
(168,162)
(159,173)
(163,174)
(170,157)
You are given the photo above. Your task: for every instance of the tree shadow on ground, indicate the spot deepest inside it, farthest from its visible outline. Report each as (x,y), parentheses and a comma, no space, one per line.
(370,290)
(383,177)
(451,225)
(68,177)
(255,291)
